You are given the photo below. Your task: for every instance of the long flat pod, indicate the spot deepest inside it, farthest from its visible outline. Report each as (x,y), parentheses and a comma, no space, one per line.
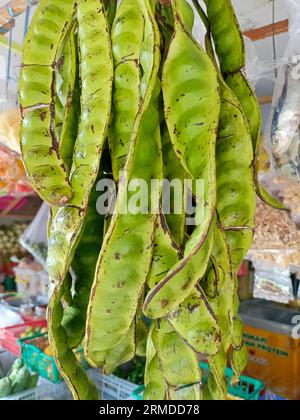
(193,320)
(68,223)
(155,387)
(227,35)
(219,267)
(174,172)
(236,204)
(196,323)
(222,305)
(127,37)
(122,353)
(76,378)
(83,270)
(180,281)
(95,114)
(230,49)
(216,385)
(192,106)
(165,252)
(40,149)
(68,96)
(247,98)
(235,190)
(120,275)
(179,364)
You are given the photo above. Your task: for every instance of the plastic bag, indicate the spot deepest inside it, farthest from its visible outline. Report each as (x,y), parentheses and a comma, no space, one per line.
(10,122)
(13,179)
(35,238)
(274,285)
(282,140)
(8,317)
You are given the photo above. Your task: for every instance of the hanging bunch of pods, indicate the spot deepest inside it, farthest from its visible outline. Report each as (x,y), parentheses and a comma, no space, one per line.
(124,91)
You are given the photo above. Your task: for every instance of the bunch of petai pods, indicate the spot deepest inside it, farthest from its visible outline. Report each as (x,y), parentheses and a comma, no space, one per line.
(109,88)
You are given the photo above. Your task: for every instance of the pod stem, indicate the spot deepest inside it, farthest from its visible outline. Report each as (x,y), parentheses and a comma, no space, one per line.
(202,14)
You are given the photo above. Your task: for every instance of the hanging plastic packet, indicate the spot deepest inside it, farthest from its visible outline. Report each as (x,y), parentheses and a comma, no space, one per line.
(272,284)
(283,133)
(35,239)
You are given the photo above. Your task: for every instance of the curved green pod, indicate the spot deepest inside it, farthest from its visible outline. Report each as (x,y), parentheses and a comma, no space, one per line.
(110,8)
(230,49)
(236,198)
(227,35)
(239,361)
(68,97)
(239,85)
(216,386)
(196,324)
(178,362)
(83,270)
(127,37)
(155,387)
(192,122)
(219,267)
(193,320)
(68,223)
(223,307)
(247,98)
(120,276)
(40,146)
(180,281)
(165,252)
(141,333)
(236,202)
(122,353)
(192,106)
(239,241)
(78,381)
(175,174)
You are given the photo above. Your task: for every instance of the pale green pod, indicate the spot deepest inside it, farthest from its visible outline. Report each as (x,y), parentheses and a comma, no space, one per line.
(178,362)
(217,381)
(196,323)
(155,387)
(68,97)
(127,37)
(141,332)
(239,361)
(68,223)
(180,281)
(165,252)
(40,147)
(227,35)
(78,381)
(118,282)
(175,174)
(192,122)
(219,266)
(122,353)
(83,270)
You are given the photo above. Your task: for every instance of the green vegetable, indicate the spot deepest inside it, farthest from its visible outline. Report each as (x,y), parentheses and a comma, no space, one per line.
(123,92)
(5,387)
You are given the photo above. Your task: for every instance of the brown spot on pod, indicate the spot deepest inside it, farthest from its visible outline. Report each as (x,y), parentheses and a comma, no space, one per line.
(164,303)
